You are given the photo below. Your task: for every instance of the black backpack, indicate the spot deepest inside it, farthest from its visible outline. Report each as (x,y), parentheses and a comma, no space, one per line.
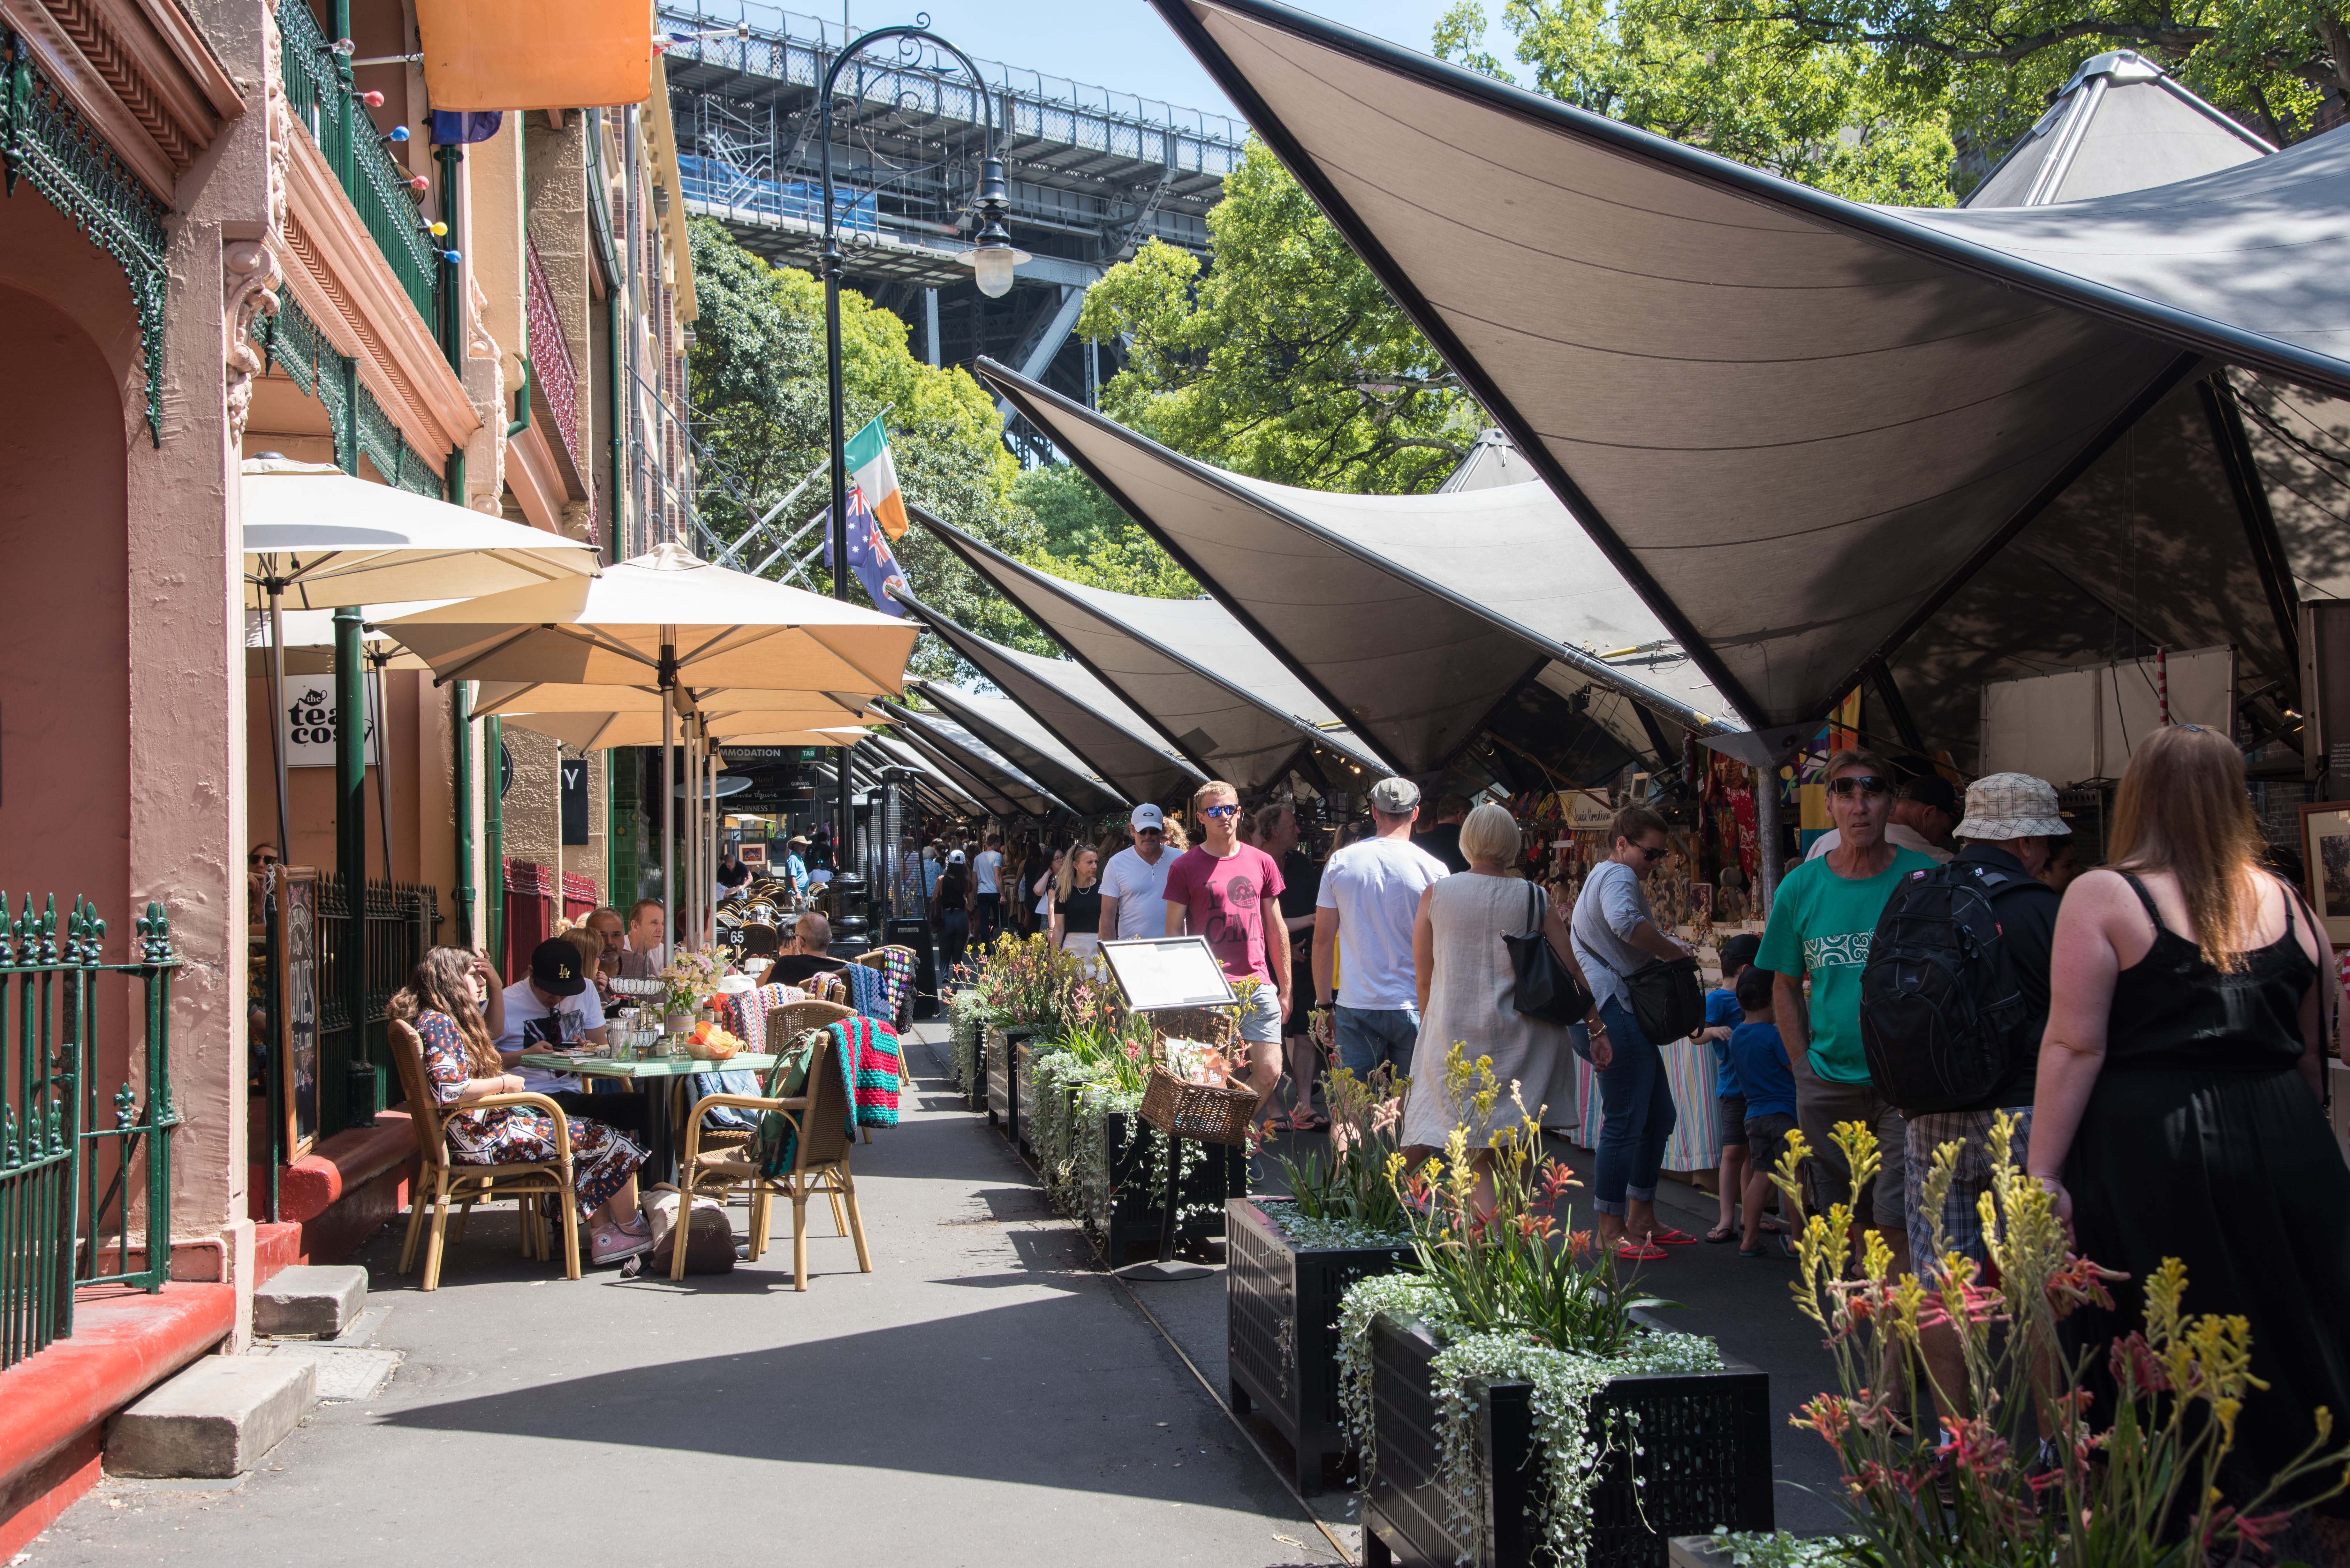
(1941,1017)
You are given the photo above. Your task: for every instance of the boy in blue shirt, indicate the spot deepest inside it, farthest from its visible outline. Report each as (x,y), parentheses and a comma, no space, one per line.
(1760,1059)
(1722,1016)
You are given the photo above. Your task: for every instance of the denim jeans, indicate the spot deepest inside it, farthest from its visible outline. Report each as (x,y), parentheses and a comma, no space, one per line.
(1370,1037)
(954,934)
(987,919)
(1635,1106)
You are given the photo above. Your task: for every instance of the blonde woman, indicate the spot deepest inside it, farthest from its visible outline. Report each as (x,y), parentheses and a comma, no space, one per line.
(2177,1112)
(1467,989)
(1077,902)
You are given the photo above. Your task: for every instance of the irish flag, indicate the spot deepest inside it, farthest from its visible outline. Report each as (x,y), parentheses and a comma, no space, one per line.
(872,472)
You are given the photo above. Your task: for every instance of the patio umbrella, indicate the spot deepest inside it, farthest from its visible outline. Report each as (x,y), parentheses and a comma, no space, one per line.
(672,619)
(330,540)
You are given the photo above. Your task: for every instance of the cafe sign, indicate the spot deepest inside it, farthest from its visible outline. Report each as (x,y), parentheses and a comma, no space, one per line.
(307,724)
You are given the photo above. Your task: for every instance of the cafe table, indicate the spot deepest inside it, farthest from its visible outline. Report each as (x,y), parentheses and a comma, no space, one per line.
(652,1076)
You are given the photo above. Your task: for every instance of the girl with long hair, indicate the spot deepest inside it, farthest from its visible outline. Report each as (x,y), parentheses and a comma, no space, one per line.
(1077,901)
(444,1003)
(2177,1112)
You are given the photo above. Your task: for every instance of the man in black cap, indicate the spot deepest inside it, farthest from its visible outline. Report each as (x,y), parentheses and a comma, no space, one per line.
(1923,816)
(556,1009)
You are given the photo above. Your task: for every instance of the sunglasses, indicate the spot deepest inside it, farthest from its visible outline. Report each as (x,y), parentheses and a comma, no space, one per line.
(261,859)
(1151,833)
(1653,854)
(1860,784)
(1212,811)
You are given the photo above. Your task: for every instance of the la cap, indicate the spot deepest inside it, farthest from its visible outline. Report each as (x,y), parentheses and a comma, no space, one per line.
(555,967)
(1395,797)
(1147,816)
(1934,790)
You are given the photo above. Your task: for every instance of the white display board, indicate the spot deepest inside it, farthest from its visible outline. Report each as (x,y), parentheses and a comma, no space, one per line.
(307,722)
(1159,972)
(2083,722)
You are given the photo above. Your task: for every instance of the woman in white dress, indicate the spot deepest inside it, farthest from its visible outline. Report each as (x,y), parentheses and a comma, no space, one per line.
(1467,990)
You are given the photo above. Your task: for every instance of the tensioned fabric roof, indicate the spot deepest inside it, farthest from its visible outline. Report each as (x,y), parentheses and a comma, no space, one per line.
(1796,425)
(1418,616)
(1228,705)
(990,800)
(950,745)
(934,777)
(2120,124)
(1113,741)
(1015,733)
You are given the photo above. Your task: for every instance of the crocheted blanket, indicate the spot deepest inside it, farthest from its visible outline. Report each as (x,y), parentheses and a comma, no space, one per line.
(868,1057)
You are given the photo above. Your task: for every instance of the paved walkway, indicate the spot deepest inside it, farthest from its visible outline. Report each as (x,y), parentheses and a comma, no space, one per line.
(986,1395)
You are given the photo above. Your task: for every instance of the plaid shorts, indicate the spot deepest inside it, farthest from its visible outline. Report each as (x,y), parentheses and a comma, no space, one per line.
(1962,1212)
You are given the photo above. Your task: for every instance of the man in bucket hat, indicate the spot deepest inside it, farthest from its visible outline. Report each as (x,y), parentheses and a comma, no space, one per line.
(2011,828)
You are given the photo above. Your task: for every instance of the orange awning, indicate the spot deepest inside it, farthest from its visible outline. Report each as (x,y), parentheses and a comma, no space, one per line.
(535,53)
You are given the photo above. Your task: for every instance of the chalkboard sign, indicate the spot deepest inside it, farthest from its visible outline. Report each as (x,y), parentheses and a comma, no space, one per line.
(297,1003)
(575,799)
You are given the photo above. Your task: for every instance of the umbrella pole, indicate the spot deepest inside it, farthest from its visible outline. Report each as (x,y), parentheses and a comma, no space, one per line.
(276,712)
(382,768)
(668,791)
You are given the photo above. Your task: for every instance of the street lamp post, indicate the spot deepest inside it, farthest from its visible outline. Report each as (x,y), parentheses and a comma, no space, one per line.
(991,259)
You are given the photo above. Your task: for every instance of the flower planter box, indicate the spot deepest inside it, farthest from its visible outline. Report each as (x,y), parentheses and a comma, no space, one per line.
(1706,1464)
(1002,1090)
(1127,1211)
(1023,1096)
(1282,1303)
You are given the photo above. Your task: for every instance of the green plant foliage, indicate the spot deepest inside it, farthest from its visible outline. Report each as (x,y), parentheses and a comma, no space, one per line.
(1285,358)
(757,374)
(1087,539)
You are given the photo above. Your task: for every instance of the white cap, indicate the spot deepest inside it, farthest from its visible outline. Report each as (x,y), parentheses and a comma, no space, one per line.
(1148,815)
(955,857)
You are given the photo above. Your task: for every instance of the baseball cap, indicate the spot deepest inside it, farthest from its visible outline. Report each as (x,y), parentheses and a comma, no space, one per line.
(1739,951)
(955,857)
(1147,816)
(555,967)
(2001,806)
(1934,790)
(1395,797)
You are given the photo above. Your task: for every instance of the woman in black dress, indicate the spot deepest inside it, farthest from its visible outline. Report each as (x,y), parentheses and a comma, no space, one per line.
(2177,1112)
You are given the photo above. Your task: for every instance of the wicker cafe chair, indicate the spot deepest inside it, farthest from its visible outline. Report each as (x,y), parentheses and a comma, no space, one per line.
(761,940)
(452,1181)
(819,1117)
(784,1024)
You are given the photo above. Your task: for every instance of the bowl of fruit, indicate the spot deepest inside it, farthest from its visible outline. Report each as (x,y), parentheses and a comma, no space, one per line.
(711,1043)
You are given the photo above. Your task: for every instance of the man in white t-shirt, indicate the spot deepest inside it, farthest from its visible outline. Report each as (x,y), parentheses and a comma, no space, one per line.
(1370,893)
(555,1009)
(987,891)
(1134,883)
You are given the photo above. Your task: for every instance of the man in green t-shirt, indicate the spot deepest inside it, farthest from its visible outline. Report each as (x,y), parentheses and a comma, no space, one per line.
(1821,922)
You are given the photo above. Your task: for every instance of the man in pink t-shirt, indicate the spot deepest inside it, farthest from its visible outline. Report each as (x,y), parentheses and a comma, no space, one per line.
(1229,892)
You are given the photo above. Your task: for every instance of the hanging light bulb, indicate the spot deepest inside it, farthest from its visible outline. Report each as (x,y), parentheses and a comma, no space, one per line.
(994,257)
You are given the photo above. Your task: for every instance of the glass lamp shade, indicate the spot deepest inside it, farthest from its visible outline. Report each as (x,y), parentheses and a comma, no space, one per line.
(991,268)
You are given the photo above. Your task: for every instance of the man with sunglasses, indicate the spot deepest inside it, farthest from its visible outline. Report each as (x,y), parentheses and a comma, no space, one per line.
(1229,893)
(1821,922)
(1923,814)
(1134,883)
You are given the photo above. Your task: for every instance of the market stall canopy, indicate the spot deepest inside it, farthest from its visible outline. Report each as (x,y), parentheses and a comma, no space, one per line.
(1417,616)
(535,53)
(1796,425)
(721,627)
(1113,741)
(1015,733)
(1006,790)
(329,539)
(2120,124)
(1228,705)
(934,777)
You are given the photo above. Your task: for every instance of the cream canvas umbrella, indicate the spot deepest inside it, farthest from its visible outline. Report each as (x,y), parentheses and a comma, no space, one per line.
(327,540)
(673,619)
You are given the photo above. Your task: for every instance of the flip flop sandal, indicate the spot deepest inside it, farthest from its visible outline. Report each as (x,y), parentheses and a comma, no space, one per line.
(1756,1252)
(1671,1238)
(1275,1123)
(1632,1254)
(1723,1233)
(1310,1122)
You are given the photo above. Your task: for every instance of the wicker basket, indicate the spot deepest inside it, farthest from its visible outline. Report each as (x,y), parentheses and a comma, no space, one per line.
(1202,1112)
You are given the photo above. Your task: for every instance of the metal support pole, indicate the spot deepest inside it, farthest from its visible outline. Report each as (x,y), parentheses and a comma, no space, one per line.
(365,1090)
(379,717)
(668,790)
(494,836)
(460,729)
(1773,860)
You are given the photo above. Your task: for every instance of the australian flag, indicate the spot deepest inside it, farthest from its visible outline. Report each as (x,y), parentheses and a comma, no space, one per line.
(869,555)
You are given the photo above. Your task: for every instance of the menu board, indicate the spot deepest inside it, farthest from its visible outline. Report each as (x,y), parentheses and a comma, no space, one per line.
(1159,972)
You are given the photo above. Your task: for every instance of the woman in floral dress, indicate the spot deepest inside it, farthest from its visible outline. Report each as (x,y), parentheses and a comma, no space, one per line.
(443,1001)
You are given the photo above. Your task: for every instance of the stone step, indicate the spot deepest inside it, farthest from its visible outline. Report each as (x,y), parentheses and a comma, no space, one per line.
(310,1301)
(216,1418)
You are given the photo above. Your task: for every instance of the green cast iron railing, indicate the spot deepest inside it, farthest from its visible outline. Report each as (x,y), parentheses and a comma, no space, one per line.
(294,344)
(320,94)
(73,1153)
(400,919)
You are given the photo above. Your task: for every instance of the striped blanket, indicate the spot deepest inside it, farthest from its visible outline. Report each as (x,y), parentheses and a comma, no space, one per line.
(868,1057)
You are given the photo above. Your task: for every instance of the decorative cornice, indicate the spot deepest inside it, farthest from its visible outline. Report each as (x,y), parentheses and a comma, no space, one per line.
(138,72)
(360,304)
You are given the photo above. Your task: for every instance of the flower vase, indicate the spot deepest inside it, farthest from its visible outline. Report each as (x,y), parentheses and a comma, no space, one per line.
(680,1023)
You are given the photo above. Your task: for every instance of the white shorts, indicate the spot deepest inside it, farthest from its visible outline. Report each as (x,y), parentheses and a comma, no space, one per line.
(1260,1020)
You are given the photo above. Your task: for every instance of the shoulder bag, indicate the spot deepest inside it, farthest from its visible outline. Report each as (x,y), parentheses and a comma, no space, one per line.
(1666,1002)
(1546,989)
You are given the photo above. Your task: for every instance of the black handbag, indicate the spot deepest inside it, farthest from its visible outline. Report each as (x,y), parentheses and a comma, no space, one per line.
(1668,1003)
(1546,989)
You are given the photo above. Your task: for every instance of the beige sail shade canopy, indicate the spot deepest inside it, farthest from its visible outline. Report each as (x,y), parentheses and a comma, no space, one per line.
(1008,789)
(329,539)
(1796,425)
(1015,733)
(721,627)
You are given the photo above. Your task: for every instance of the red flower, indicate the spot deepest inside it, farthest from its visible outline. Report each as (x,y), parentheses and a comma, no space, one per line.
(2136,1368)
(1973,1446)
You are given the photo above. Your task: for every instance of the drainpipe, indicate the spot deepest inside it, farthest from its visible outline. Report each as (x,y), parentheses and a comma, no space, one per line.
(461,727)
(364,1092)
(494,834)
(452,293)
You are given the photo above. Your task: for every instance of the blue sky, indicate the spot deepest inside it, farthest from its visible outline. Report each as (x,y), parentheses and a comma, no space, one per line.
(1117,44)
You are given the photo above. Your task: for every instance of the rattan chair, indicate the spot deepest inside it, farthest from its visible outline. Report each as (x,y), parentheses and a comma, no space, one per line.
(819,1117)
(761,940)
(448,1180)
(784,1024)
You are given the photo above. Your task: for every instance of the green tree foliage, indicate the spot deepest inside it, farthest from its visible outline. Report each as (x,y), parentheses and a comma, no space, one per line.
(1087,539)
(1283,358)
(757,374)
(1764,92)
